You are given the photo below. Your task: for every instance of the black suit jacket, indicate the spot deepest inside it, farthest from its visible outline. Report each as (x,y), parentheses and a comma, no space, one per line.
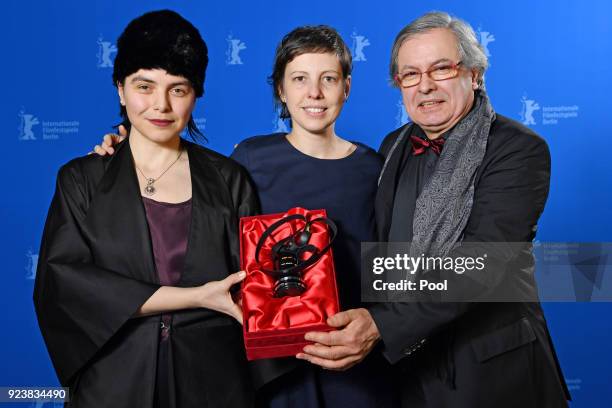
(96,268)
(479,354)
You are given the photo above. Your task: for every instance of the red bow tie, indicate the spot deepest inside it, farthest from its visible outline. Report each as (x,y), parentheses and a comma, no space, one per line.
(420,145)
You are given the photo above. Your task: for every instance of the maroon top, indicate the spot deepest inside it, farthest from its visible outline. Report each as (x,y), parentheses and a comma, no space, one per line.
(169,228)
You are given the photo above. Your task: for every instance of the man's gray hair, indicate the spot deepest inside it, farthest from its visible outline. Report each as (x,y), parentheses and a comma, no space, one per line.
(470,51)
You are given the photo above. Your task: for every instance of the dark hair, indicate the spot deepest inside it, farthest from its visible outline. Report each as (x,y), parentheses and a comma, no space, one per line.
(303,40)
(162,40)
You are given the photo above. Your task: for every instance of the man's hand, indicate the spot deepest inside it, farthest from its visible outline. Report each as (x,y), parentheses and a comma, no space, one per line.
(109,141)
(342,349)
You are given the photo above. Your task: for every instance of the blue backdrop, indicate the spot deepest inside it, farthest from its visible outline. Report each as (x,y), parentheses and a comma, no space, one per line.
(550,69)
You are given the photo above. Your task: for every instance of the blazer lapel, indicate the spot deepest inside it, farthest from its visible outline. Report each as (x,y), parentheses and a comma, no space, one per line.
(116,222)
(387,186)
(207,224)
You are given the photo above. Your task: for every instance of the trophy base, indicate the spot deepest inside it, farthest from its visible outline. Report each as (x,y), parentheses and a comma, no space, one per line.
(289,286)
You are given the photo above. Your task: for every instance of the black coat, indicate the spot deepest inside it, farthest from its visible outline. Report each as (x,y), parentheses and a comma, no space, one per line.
(479,354)
(96,268)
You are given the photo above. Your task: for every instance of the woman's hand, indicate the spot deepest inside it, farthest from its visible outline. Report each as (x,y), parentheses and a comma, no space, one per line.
(109,140)
(216,296)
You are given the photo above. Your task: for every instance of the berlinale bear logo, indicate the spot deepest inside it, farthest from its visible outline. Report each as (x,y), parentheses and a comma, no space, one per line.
(26,122)
(485,38)
(234,46)
(359,43)
(105,50)
(529,107)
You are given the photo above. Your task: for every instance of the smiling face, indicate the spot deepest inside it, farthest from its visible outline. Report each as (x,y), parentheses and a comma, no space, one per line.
(314,90)
(158,105)
(436,106)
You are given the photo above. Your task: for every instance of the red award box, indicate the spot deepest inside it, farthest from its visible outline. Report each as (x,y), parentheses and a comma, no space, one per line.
(272,326)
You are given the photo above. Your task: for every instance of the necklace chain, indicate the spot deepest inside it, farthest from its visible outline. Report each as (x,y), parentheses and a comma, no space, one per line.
(150,188)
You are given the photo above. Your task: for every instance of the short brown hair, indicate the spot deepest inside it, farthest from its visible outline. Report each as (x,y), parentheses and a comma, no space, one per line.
(303,40)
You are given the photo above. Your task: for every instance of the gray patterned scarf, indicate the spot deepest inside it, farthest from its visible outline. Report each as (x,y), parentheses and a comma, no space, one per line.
(443,207)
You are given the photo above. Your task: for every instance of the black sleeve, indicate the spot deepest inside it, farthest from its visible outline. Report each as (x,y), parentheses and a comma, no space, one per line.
(245,201)
(508,201)
(244,195)
(79,305)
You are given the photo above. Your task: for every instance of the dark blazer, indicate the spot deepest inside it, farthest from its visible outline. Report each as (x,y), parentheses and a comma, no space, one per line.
(96,268)
(479,354)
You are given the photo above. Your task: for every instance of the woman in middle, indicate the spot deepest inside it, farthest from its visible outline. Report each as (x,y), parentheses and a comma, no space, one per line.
(312,167)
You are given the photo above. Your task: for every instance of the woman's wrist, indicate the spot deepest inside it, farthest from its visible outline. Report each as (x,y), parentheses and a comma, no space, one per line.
(196,296)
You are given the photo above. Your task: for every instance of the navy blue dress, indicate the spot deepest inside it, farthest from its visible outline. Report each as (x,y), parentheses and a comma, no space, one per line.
(284,178)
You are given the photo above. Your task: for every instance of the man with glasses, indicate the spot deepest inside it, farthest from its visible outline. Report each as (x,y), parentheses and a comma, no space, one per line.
(458,173)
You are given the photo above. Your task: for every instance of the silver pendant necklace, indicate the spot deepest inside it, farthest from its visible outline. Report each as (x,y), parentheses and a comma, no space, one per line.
(150,189)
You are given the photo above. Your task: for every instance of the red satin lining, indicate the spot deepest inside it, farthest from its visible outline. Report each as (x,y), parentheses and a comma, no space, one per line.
(262,311)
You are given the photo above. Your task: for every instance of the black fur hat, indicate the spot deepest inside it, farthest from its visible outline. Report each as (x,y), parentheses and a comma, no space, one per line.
(162,40)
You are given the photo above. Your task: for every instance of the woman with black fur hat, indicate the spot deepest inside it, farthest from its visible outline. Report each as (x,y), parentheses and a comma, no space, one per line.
(135,268)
